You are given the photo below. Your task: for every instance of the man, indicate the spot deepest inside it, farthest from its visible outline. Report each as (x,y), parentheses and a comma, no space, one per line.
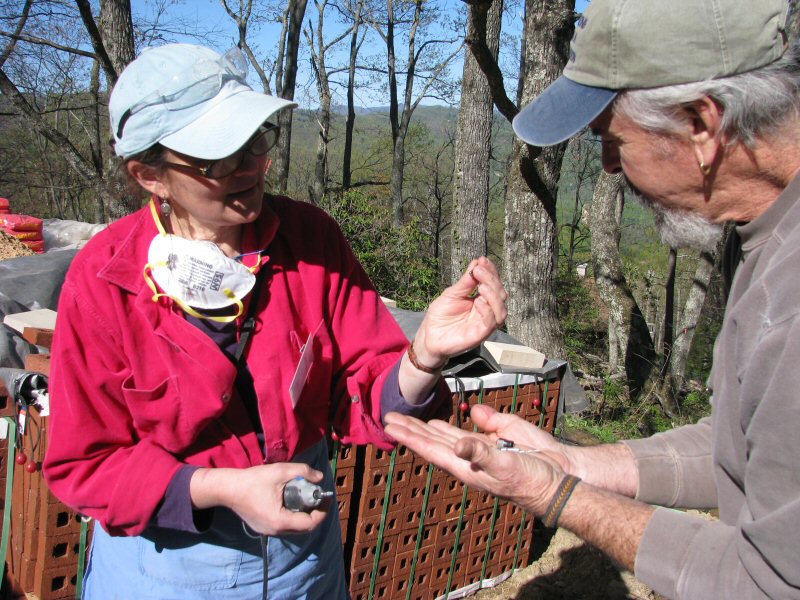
(696,102)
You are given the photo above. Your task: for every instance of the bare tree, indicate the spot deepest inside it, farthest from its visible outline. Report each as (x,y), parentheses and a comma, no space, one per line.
(629,343)
(530,242)
(582,175)
(319,49)
(469,236)
(424,62)
(78,142)
(355,45)
(283,70)
(690,317)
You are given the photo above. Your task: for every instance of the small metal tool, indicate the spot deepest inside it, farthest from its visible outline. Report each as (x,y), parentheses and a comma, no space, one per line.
(302,495)
(509,446)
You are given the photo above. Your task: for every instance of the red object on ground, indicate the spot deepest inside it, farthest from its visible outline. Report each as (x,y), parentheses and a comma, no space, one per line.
(35,245)
(20,222)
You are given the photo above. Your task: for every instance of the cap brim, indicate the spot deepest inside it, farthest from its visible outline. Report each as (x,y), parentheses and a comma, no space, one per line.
(225,128)
(560,112)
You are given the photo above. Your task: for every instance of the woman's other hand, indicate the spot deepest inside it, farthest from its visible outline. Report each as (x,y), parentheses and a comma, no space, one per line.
(256,495)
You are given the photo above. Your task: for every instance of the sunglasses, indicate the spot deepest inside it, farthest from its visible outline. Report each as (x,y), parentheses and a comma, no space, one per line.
(262,142)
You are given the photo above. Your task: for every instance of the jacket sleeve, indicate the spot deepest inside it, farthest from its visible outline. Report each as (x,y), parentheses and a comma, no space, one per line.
(95,462)
(755,554)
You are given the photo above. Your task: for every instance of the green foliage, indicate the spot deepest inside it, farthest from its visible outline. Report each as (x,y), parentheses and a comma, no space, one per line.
(579,314)
(613,416)
(396,259)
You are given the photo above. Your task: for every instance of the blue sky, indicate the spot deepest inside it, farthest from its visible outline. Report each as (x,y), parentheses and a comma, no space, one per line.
(208,23)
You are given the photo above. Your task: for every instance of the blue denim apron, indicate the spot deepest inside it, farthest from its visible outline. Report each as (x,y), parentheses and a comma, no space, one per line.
(223,563)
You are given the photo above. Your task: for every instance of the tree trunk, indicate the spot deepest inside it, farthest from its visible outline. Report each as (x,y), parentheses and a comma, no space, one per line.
(319,49)
(469,238)
(531,242)
(116,31)
(630,345)
(692,310)
(669,307)
(296,11)
(347,157)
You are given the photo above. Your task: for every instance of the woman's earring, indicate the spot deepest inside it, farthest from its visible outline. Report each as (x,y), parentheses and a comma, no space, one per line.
(166,209)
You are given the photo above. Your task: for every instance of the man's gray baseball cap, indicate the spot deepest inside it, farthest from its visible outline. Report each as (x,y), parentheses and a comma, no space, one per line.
(629,44)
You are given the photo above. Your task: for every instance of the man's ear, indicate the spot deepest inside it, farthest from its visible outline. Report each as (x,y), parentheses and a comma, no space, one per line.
(705,120)
(148,177)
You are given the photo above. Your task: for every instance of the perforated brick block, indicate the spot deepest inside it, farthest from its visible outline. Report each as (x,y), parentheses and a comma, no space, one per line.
(58,520)
(372,501)
(368,528)
(419,590)
(418,475)
(481,520)
(364,553)
(378,477)
(478,562)
(447,509)
(480,539)
(440,577)
(404,561)
(445,545)
(446,486)
(361,575)
(346,456)
(344,479)
(56,584)
(382,590)
(375,457)
(407,540)
(57,553)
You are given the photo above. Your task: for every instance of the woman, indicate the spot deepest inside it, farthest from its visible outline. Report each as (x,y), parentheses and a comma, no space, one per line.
(208,342)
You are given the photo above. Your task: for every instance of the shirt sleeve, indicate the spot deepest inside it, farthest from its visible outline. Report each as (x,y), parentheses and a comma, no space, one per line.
(176,510)
(438,404)
(675,467)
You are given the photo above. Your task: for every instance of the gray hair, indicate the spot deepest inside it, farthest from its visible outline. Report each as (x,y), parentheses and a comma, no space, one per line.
(756,103)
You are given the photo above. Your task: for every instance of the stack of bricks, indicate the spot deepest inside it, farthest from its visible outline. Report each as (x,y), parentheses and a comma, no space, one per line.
(45,535)
(394,511)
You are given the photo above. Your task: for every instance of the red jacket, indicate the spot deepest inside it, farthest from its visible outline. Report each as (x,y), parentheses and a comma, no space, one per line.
(137,391)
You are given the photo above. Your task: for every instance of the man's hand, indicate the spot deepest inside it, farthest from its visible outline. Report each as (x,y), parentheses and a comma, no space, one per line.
(529,480)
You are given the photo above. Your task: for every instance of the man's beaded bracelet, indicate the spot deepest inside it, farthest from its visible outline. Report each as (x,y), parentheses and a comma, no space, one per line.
(559,500)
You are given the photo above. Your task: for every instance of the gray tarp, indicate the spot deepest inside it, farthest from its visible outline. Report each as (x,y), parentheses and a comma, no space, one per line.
(28,283)
(475,363)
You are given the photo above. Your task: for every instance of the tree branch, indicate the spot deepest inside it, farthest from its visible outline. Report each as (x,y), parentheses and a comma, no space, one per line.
(97,41)
(483,56)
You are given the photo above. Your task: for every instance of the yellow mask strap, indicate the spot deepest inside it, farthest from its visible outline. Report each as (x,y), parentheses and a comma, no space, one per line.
(188,309)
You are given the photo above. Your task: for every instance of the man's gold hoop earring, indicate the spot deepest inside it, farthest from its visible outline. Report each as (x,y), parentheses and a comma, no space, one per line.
(705,169)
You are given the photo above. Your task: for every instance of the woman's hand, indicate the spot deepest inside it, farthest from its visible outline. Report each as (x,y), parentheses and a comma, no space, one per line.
(463,316)
(256,495)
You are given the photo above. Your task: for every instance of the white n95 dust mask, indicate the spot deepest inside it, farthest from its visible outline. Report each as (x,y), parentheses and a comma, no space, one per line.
(196,274)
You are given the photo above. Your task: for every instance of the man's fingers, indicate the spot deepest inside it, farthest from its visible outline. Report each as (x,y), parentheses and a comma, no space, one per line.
(472,449)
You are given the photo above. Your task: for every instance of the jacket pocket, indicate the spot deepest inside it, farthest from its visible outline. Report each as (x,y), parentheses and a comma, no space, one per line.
(154,408)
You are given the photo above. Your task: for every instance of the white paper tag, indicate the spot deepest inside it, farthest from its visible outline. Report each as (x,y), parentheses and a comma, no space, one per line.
(301,374)
(3,429)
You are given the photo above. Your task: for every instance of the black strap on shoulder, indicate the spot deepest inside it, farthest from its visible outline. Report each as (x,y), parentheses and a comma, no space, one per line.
(249,324)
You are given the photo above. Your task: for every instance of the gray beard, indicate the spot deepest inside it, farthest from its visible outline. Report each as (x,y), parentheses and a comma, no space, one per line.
(681,228)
